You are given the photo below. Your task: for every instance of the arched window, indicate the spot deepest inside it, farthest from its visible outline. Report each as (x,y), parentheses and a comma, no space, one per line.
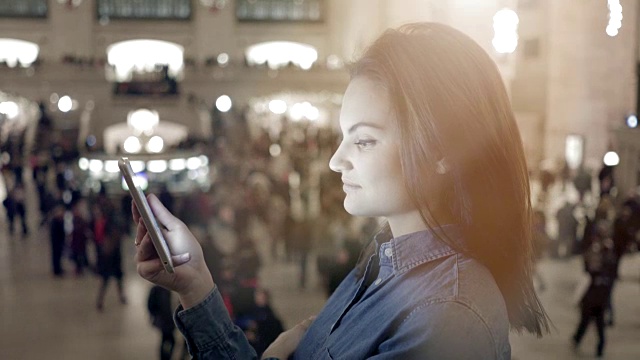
(143,55)
(277,54)
(16,52)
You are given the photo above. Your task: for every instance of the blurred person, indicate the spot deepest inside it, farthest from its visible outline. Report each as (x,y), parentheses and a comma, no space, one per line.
(624,234)
(212,255)
(166,198)
(454,256)
(98,227)
(547,178)
(300,236)
(125,211)
(51,198)
(196,209)
(276,219)
(601,264)
(16,207)
(223,230)
(582,182)
(540,245)
(10,210)
(567,229)
(79,236)
(606,179)
(57,237)
(109,261)
(247,266)
(267,325)
(603,211)
(161,314)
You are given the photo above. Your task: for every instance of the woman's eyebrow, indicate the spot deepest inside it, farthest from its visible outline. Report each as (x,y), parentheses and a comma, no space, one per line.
(363,123)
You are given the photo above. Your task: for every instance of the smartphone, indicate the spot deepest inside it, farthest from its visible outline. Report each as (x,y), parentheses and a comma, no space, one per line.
(147,215)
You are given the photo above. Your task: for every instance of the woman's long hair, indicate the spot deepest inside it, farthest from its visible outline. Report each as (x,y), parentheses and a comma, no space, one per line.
(461,153)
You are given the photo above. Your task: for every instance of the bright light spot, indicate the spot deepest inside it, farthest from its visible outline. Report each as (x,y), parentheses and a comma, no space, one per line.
(192,174)
(155,144)
(204,160)
(137,166)
(65,104)
(144,55)
(334,62)
(278,54)
(83,164)
(139,181)
(611,31)
(177,164)
(615,17)
(304,110)
(611,158)
(223,103)
(9,108)
(306,65)
(312,113)
(143,120)
(505,27)
(111,166)
(14,51)
(277,106)
(157,166)
(615,7)
(132,145)
(632,121)
(275,150)
(223,59)
(297,112)
(95,165)
(193,163)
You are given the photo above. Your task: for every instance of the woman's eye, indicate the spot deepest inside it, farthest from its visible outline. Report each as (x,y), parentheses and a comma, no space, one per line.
(364,144)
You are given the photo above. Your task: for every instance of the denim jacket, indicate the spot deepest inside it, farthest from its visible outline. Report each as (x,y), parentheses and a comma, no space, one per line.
(418,299)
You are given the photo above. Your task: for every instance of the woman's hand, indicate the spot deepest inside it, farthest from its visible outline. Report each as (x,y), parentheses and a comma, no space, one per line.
(191,278)
(288,341)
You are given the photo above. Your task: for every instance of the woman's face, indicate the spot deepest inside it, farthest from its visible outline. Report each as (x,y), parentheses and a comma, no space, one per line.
(368,156)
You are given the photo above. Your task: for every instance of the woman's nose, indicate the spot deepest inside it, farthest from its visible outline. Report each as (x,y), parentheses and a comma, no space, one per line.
(338,163)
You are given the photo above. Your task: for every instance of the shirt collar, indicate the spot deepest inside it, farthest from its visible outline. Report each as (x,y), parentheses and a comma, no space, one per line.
(410,250)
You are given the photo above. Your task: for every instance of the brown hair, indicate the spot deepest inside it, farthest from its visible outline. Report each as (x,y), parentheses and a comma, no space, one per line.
(450,103)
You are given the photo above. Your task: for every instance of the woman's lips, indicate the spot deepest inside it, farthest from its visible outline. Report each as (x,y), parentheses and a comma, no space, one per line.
(349,186)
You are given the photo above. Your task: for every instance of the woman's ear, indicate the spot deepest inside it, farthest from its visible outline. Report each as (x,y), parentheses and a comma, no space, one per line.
(442,167)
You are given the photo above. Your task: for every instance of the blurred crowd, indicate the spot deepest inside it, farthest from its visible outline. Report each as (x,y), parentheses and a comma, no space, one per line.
(272,199)
(594,222)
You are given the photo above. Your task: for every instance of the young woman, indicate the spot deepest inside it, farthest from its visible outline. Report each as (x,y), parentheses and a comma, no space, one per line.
(429,143)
